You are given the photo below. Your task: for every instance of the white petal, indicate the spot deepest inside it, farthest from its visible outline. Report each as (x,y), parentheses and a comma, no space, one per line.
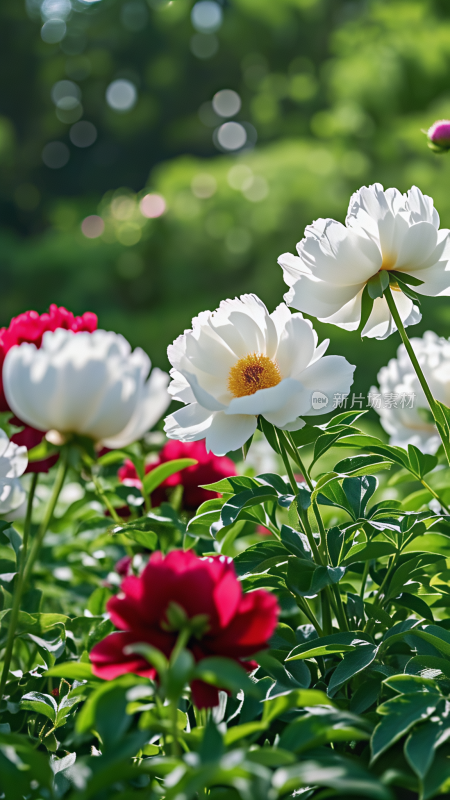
(12,495)
(188,424)
(296,425)
(226,434)
(419,241)
(13,462)
(152,404)
(380,324)
(332,375)
(203,397)
(179,388)
(318,298)
(265,400)
(4,441)
(296,346)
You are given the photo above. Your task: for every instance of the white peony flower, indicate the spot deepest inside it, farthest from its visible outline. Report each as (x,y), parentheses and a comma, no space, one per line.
(13,463)
(85,383)
(384,230)
(239,362)
(404,412)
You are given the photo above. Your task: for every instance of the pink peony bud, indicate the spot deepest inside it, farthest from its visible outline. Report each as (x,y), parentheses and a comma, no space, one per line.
(439,136)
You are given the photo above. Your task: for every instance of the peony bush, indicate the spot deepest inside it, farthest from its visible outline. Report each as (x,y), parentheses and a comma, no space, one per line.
(177,622)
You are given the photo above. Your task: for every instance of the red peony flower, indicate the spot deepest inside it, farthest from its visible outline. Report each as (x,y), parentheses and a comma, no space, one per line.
(30,327)
(122,567)
(238,625)
(210,468)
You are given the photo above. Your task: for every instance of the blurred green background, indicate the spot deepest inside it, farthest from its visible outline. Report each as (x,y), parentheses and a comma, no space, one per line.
(106,102)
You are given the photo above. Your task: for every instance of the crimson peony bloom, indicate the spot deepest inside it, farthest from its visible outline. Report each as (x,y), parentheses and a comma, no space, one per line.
(210,468)
(238,625)
(30,327)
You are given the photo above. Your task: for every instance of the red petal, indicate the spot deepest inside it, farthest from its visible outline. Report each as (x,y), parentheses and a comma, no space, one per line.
(251,628)
(204,695)
(109,661)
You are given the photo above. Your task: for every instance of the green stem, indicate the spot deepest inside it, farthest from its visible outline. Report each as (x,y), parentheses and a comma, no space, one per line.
(298,460)
(418,369)
(26,565)
(435,495)
(364,579)
(309,614)
(29,513)
(105,499)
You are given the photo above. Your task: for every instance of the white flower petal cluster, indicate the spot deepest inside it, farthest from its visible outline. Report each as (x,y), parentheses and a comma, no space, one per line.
(413,425)
(240,361)
(384,230)
(13,463)
(90,384)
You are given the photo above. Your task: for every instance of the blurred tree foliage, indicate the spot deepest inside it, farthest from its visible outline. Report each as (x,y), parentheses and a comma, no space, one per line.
(335,92)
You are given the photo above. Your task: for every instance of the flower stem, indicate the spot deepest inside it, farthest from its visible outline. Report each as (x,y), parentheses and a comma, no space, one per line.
(26,565)
(105,499)
(418,369)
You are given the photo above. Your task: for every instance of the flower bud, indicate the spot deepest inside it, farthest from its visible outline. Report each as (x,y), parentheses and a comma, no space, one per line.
(439,136)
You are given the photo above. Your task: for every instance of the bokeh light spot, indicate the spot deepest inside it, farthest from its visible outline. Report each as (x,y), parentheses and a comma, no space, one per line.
(231,136)
(64,89)
(152,206)
(93,226)
(238,176)
(121,95)
(203,185)
(56,9)
(83,134)
(226,103)
(256,189)
(53,31)
(128,233)
(204,45)
(55,155)
(206,16)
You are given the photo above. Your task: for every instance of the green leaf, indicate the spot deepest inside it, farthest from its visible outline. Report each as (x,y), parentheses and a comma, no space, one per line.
(297,698)
(232,508)
(326,645)
(224,673)
(411,280)
(260,557)
(40,703)
(113,457)
(351,665)
(158,475)
(71,670)
(368,551)
(358,492)
(146,539)
(421,745)
(355,466)
(430,543)
(421,463)
(306,579)
(377,284)
(399,716)
(315,729)
(297,543)
(414,603)
(431,667)
(366,308)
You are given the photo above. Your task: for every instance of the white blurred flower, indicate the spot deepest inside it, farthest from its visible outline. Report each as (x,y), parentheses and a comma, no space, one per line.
(409,421)
(85,383)
(13,463)
(239,362)
(384,230)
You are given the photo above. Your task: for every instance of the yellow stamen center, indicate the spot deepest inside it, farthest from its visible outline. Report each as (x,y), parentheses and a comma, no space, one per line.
(251,373)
